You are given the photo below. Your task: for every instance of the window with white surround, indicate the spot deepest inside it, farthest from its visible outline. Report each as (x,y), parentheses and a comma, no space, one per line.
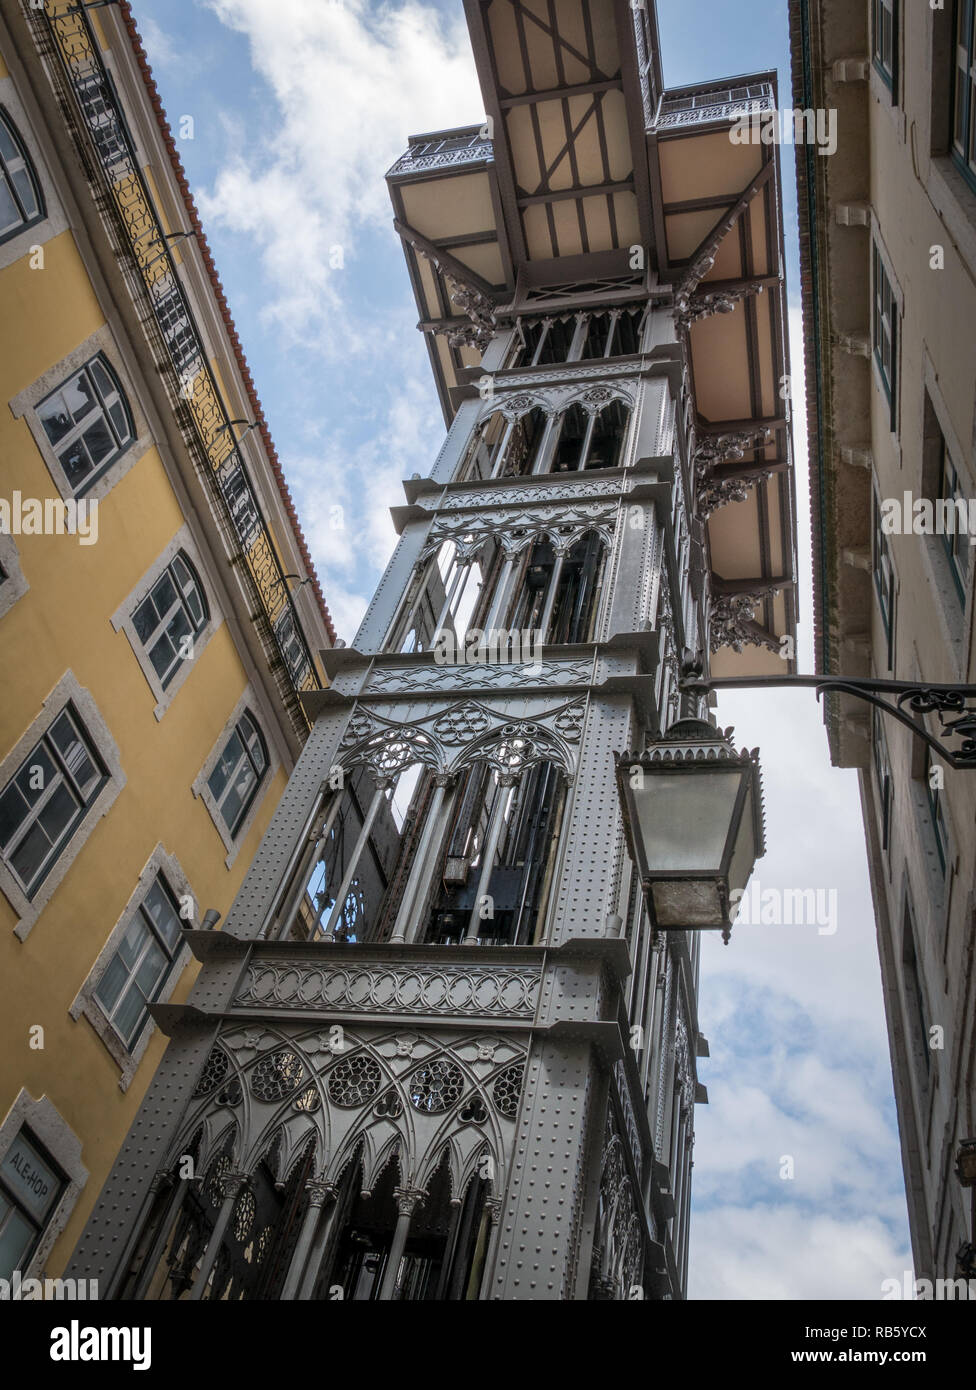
(138,969)
(884,332)
(963,129)
(882,772)
(21,201)
(87,422)
(233,780)
(884,579)
(140,963)
(44,801)
(41,1176)
(884,42)
(56,783)
(31,1185)
(169,617)
(85,418)
(238,773)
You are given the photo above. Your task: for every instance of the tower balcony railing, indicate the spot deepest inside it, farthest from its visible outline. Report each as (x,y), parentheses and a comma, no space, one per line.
(442,150)
(701,106)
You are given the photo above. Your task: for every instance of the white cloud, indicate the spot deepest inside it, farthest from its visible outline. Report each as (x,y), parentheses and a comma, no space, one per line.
(782,1253)
(348,82)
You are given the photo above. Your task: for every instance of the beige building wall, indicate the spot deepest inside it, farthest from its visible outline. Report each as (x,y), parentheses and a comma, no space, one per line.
(894,210)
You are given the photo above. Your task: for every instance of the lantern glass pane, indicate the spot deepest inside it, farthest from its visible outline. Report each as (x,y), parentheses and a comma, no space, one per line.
(684,819)
(744,849)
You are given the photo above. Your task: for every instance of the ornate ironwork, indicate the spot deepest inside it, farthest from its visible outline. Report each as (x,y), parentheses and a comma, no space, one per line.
(908,701)
(354,1081)
(436,1086)
(123,182)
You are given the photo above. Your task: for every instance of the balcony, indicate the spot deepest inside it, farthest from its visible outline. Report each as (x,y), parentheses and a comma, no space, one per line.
(697,106)
(442,150)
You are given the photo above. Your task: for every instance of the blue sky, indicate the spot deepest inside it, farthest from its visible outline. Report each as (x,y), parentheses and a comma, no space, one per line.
(299,107)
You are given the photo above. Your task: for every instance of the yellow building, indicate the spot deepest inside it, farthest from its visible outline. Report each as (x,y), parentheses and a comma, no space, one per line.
(154,637)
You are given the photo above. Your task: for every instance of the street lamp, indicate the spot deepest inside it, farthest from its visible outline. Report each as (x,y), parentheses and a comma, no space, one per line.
(692,809)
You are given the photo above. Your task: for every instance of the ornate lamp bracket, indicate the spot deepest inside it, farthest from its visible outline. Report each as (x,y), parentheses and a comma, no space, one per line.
(909,702)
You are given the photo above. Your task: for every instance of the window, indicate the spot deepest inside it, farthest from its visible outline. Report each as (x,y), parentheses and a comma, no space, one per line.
(884,577)
(955,534)
(935,773)
(142,962)
(885,330)
(46,799)
(917,1012)
(21,204)
(171,615)
(884,41)
(31,1185)
(87,422)
(882,770)
(240,767)
(964,90)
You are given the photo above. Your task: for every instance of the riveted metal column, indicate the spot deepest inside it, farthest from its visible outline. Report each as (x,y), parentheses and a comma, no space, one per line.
(379,797)
(505,782)
(419,869)
(319,1193)
(493,1206)
(233,1183)
(407,1200)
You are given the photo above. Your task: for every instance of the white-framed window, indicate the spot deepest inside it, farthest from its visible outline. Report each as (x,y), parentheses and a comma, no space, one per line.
(41,1176)
(884,578)
(87,422)
(169,617)
(882,772)
(140,963)
(61,777)
(963,130)
(239,771)
(884,334)
(955,543)
(21,199)
(85,419)
(43,802)
(233,780)
(884,42)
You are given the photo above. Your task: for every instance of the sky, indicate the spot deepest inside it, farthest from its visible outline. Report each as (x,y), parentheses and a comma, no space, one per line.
(298,109)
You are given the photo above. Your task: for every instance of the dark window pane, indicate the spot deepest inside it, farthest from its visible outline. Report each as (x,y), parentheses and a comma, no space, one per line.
(9,211)
(161,912)
(162,657)
(99,442)
(16,1238)
(53,415)
(7,147)
(232,753)
(145,620)
(29,856)
(76,465)
(164,594)
(75,754)
(110,985)
(79,396)
(117,413)
(25,188)
(58,813)
(13,810)
(36,775)
(101,378)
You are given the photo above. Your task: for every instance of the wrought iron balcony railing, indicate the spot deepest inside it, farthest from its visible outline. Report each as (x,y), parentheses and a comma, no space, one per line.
(443,151)
(701,106)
